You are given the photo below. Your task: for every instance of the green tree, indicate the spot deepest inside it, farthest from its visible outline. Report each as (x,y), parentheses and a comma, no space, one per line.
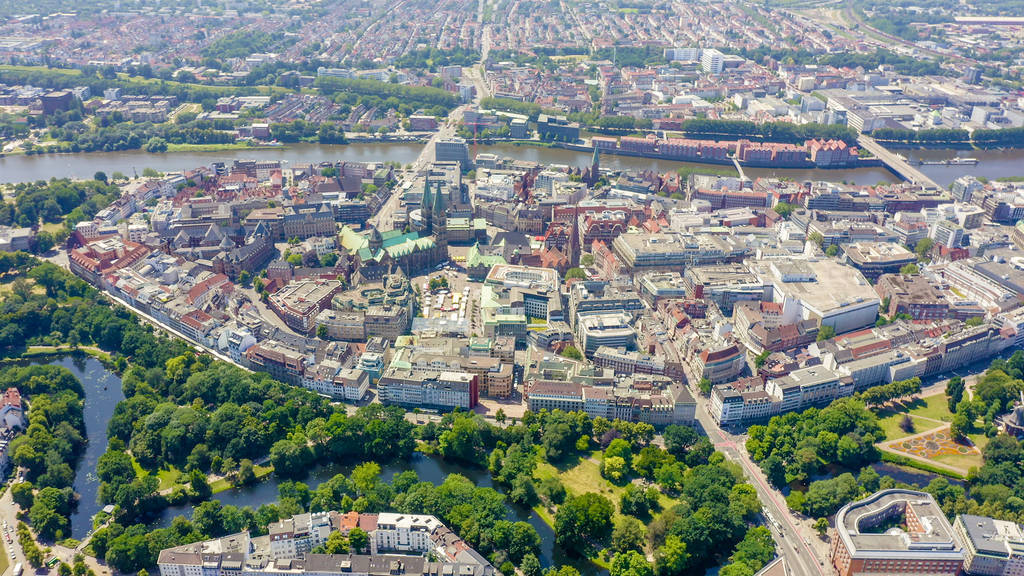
(290,458)
(587,260)
(826,333)
(22,494)
(583,522)
(246,472)
(198,486)
(614,469)
(816,238)
(832,251)
(679,439)
(671,559)
(463,441)
(329,260)
(784,209)
(923,248)
(101,176)
(630,563)
(974,321)
(358,540)
(155,145)
(628,533)
(955,392)
(336,543)
(821,526)
(575,274)
(530,566)
(572,352)
(910,269)
(321,331)
(705,386)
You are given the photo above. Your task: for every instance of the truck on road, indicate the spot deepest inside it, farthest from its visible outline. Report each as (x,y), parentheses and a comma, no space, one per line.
(18,569)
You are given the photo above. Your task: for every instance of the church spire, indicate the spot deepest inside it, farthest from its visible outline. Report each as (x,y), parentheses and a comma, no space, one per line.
(426,204)
(439,204)
(441,220)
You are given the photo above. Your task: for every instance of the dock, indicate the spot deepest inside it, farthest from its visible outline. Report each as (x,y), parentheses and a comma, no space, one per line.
(895,163)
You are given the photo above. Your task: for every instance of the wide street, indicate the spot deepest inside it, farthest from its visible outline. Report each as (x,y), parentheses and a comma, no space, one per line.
(802,557)
(382,219)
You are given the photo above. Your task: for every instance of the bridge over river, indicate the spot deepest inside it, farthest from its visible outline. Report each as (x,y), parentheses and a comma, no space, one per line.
(896,163)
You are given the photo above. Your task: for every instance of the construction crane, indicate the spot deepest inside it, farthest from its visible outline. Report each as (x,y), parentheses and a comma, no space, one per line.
(476,125)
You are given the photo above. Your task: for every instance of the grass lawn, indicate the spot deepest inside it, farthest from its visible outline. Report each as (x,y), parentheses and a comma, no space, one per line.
(582,477)
(207,147)
(928,413)
(168,478)
(891,426)
(8,287)
(93,351)
(52,227)
(222,484)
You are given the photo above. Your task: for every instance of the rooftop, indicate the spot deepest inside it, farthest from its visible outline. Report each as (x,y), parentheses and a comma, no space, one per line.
(878,253)
(993,537)
(824,285)
(920,527)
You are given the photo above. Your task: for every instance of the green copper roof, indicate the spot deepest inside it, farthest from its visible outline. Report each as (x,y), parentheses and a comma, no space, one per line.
(426,202)
(439,206)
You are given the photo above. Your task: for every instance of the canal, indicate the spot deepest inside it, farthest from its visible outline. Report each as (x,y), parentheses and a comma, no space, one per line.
(428,468)
(103,392)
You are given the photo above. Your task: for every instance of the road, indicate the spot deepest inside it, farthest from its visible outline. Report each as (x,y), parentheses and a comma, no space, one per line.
(383,218)
(8,514)
(801,558)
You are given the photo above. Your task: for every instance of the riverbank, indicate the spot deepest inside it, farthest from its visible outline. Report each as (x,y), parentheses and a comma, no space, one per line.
(174,148)
(43,352)
(870,162)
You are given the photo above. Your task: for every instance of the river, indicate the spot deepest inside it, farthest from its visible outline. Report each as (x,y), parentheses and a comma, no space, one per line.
(22,168)
(992,164)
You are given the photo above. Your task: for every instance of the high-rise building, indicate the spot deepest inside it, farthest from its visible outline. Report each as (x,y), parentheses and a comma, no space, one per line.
(453,150)
(712,61)
(948,234)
